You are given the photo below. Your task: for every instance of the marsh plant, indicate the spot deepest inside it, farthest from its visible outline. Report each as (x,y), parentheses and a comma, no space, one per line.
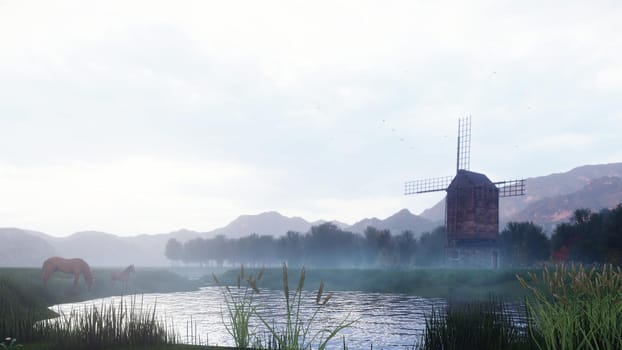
(126,324)
(473,325)
(240,308)
(10,343)
(575,308)
(298,332)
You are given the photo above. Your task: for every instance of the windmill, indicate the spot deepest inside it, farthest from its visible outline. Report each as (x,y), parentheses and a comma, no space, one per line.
(471,207)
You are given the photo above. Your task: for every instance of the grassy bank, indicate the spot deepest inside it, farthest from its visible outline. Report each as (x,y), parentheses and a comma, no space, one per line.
(432,283)
(24,300)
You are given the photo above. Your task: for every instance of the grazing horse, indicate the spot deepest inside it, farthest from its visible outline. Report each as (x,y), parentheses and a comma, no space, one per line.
(122,276)
(74,266)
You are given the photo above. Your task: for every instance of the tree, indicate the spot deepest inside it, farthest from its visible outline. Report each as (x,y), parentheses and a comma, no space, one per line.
(431,248)
(174,250)
(590,237)
(406,246)
(523,244)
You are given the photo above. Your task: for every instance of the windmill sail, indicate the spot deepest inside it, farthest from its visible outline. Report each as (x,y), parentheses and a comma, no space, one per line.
(427,185)
(463,158)
(511,188)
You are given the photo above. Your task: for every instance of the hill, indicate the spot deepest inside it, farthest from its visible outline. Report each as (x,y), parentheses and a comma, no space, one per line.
(403,220)
(23,248)
(549,198)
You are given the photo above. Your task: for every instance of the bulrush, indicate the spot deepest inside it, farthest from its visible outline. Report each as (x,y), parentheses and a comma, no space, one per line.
(575,308)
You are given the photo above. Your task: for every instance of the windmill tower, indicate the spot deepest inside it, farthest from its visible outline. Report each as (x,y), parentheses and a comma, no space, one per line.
(471,207)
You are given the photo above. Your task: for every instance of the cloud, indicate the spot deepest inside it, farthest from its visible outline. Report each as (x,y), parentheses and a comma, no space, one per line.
(314,106)
(132,195)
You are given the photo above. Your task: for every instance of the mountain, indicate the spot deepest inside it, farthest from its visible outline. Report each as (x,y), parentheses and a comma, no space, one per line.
(604,192)
(268,223)
(547,195)
(23,248)
(550,199)
(102,249)
(401,221)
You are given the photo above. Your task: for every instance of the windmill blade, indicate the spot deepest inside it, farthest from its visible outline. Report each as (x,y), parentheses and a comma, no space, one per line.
(463,159)
(427,185)
(511,188)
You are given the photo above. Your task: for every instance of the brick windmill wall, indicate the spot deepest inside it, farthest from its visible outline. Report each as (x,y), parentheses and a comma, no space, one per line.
(472,219)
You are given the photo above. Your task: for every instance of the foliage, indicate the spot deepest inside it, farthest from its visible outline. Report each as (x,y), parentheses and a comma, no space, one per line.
(10,343)
(429,283)
(575,308)
(432,248)
(174,250)
(127,324)
(523,244)
(24,300)
(297,332)
(482,325)
(324,246)
(590,237)
(240,307)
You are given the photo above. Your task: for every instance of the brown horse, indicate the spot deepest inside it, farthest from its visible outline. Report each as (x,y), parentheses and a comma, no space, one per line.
(74,266)
(122,276)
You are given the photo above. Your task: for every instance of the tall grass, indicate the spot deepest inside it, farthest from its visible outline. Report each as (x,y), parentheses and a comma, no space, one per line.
(428,283)
(297,332)
(473,325)
(575,308)
(240,308)
(126,324)
(19,310)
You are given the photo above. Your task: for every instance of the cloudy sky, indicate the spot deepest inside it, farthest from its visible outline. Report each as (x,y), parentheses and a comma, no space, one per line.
(143,116)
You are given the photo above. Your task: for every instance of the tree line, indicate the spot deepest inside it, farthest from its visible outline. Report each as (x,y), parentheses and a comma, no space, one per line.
(587,237)
(325,245)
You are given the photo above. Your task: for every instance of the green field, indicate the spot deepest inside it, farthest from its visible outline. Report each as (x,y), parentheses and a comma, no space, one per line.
(430,283)
(24,300)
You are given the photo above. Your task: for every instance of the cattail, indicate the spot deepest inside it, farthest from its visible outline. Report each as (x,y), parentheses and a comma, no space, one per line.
(319,292)
(215,278)
(285,283)
(301,281)
(260,275)
(253,284)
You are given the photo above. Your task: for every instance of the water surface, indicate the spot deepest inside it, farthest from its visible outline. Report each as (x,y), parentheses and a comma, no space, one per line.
(387,321)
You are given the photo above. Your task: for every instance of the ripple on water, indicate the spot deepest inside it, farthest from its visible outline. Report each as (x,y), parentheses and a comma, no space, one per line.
(387,321)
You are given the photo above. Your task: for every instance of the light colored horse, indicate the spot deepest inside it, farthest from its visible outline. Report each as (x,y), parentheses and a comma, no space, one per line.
(122,276)
(74,266)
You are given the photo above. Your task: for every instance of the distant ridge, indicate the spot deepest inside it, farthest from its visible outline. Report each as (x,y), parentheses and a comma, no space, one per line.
(556,191)
(403,220)
(550,199)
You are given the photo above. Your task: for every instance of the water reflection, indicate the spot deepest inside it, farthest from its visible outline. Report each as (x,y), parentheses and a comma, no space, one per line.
(387,321)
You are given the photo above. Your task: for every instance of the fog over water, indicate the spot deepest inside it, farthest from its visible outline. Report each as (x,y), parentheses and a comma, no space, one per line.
(389,321)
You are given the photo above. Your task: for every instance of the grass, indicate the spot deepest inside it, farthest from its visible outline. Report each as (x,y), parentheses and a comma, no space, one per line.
(127,324)
(430,283)
(240,308)
(24,301)
(474,325)
(296,333)
(575,308)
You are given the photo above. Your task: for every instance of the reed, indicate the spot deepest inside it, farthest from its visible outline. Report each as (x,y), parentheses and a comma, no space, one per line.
(240,308)
(19,310)
(473,325)
(575,308)
(297,332)
(127,324)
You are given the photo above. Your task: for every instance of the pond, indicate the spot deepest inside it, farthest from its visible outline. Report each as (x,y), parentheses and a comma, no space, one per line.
(386,321)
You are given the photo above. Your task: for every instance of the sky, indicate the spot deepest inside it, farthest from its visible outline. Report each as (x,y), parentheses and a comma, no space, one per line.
(134,117)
